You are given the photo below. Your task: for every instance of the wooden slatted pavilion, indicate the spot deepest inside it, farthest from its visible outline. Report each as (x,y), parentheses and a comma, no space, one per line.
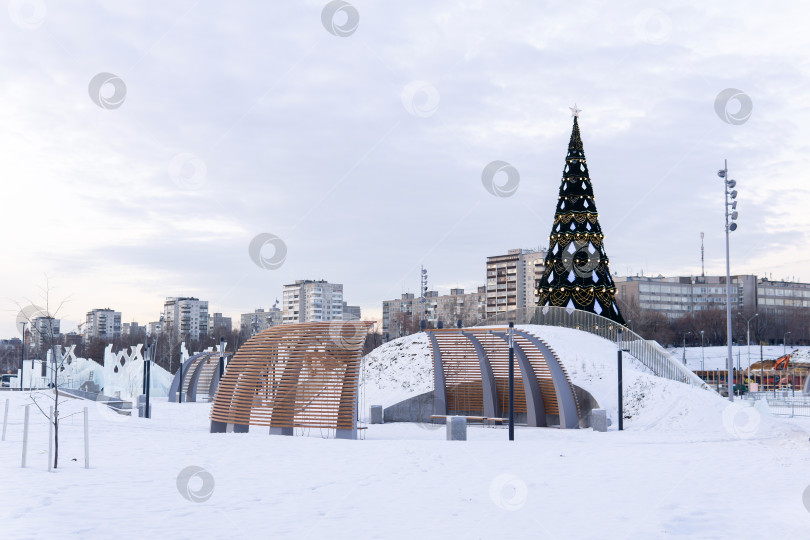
(294,376)
(470,367)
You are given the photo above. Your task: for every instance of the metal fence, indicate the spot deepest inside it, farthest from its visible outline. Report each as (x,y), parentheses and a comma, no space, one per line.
(648,352)
(783,402)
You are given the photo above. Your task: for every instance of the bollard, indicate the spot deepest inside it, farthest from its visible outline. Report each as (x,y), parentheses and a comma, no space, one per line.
(143,403)
(25,435)
(86,442)
(5,420)
(50,440)
(376,414)
(599,420)
(456,428)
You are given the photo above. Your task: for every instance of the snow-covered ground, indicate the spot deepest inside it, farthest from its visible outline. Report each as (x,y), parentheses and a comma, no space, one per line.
(688,465)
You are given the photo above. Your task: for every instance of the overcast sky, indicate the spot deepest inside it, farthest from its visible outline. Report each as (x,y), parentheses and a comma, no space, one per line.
(362,146)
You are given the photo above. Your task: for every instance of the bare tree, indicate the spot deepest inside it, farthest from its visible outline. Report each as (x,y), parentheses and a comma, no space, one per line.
(43,322)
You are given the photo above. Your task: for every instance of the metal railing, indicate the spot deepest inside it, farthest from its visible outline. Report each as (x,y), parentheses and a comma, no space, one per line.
(783,402)
(648,352)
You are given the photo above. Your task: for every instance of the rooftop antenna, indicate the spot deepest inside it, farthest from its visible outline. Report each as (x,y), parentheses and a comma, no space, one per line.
(702,270)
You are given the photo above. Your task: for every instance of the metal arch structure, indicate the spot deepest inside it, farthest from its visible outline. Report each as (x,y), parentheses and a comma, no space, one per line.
(293,376)
(201,367)
(470,368)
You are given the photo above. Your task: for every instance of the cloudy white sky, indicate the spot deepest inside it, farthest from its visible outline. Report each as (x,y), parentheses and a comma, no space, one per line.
(364,153)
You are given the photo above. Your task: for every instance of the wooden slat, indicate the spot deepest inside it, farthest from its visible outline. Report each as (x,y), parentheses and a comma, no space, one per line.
(297,375)
(462,371)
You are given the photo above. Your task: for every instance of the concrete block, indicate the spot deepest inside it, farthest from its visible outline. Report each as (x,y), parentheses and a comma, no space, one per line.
(456,428)
(142,407)
(376,414)
(599,420)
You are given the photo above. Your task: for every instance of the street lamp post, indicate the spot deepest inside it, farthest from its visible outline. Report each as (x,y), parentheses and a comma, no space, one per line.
(684,347)
(730,227)
(748,339)
(621,398)
(702,357)
(22,357)
(511,381)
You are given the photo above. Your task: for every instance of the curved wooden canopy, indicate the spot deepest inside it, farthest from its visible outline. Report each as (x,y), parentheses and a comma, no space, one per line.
(296,375)
(471,365)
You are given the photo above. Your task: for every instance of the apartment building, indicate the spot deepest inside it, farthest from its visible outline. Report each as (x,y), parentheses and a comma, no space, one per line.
(185,317)
(351,313)
(259,320)
(512,280)
(102,324)
(312,301)
(217,321)
(403,315)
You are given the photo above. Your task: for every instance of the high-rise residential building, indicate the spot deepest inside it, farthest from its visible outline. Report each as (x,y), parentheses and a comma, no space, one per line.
(312,301)
(217,322)
(259,320)
(402,316)
(102,324)
(512,280)
(351,313)
(186,317)
(44,332)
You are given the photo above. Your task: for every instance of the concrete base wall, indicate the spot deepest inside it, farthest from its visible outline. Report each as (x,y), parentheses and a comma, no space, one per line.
(415,409)
(419,408)
(587,403)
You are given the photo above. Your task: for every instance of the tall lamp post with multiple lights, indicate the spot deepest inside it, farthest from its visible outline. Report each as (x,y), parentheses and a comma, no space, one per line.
(748,339)
(731,225)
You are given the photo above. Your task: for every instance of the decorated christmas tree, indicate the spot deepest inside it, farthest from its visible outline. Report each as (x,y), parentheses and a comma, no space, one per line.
(577,274)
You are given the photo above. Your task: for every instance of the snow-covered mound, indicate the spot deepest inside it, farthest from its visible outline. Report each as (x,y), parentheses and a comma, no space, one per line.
(403,368)
(396,371)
